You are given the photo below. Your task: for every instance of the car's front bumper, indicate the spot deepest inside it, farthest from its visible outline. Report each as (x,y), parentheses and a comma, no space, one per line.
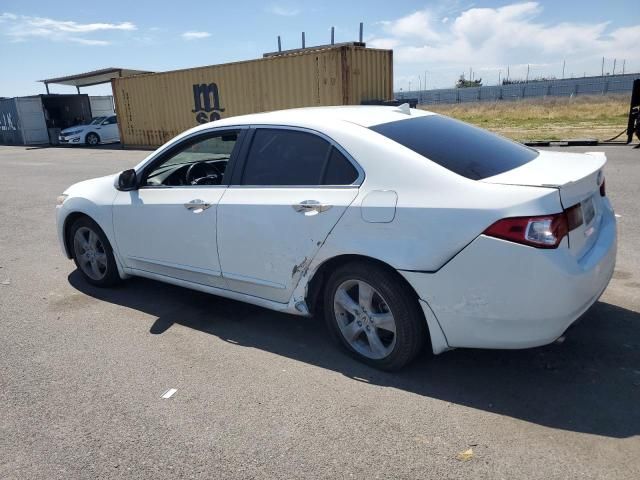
(69,139)
(499,294)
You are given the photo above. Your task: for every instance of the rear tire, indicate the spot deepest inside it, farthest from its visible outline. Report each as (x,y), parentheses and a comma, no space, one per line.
(374,315)
(92,139)
(92,253)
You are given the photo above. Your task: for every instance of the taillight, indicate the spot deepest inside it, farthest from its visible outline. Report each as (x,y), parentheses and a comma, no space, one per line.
(574,216)
(603,190)
(542,232)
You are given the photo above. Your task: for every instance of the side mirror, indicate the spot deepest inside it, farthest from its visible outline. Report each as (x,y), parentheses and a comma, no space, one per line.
(127,181)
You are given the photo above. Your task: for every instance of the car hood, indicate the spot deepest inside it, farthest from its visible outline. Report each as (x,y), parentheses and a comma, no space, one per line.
(93,187)
(77,128)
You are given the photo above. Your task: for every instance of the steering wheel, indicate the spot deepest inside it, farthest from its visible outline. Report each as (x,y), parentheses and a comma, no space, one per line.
(202,174)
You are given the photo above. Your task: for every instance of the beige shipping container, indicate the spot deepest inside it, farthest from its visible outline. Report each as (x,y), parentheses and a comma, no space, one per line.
(153,108)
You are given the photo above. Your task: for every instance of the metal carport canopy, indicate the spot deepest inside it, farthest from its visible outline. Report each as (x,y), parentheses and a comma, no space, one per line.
(95,77)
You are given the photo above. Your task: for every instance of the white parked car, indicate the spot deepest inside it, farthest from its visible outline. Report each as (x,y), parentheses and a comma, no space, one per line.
(401,227)
(99,130)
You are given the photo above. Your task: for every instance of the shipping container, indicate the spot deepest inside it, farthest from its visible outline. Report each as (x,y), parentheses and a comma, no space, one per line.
(22,122)
(38,119)
(101,105)
(153,108)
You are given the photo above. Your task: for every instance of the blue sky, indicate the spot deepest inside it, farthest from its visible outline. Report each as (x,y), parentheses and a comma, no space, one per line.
(41,39)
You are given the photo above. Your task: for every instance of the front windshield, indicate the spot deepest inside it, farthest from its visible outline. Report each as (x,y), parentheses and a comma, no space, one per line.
(97,120)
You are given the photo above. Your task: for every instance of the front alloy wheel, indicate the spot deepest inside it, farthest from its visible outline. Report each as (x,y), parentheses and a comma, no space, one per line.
(92,139)
(92,253)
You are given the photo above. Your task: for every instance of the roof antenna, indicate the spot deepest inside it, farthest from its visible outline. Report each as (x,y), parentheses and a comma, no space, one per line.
(404,108)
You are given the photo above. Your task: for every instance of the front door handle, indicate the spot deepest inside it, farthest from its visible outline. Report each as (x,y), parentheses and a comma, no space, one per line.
(310,207)
(197,206)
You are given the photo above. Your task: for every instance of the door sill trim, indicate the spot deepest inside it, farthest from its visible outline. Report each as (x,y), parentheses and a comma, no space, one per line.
(242,297)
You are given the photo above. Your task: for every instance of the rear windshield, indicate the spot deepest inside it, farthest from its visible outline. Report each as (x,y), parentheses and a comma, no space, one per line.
(462,148)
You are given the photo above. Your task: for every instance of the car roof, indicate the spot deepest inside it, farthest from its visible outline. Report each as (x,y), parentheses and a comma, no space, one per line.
(363,115)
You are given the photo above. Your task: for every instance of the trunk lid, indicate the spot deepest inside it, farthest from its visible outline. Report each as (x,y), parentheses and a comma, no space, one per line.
(577,177)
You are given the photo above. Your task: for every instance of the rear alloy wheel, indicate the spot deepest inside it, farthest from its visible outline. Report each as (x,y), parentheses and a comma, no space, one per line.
(375,316)
(92,253)
(92,139)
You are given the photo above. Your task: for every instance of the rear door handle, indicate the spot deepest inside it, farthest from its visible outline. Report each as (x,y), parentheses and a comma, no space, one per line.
(310,207)
(197,206)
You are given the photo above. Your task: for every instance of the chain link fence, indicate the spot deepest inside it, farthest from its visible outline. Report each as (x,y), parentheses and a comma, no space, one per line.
(609,84)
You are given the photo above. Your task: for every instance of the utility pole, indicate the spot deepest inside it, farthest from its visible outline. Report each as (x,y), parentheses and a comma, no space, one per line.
(499,73)
(507,73)
(602,75)
(614,66)
(564,62)
(527,81)
(623,62)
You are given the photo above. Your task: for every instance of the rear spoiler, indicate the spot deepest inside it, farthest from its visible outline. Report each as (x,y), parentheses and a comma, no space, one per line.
(597,154)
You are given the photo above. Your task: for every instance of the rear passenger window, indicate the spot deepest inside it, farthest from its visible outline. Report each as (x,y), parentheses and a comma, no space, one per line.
(291,157)
(285,157)
(339,171)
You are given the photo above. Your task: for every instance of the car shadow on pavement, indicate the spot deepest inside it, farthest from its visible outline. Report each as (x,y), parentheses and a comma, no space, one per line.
(102,146)
(589,384)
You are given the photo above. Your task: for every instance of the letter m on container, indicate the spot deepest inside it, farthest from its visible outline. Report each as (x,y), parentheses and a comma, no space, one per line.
(206,102)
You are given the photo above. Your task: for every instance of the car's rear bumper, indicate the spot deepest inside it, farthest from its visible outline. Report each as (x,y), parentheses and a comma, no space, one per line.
(499,294)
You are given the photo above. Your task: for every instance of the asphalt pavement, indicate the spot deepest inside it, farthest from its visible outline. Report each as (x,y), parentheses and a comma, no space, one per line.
(259,394)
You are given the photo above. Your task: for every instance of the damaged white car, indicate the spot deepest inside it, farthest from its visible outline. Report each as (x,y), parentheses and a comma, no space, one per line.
(402,228)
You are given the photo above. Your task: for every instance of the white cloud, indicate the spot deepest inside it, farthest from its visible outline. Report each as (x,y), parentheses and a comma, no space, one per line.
(282,10)
(88,41)
(489,39)
(386,43)
(20,28)
(195,35)
(417,25)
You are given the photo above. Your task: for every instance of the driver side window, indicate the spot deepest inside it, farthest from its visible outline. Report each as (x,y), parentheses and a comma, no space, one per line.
(200,161)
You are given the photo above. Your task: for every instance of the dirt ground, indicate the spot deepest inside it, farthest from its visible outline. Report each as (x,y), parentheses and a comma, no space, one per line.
(557,118)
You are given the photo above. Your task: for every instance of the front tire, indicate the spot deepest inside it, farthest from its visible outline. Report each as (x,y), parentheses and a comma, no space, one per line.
(92,139)
(374,315)
(92,253)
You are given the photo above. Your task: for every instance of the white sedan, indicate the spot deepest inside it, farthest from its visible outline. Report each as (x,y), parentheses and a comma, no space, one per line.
(99,130)
(401,227)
